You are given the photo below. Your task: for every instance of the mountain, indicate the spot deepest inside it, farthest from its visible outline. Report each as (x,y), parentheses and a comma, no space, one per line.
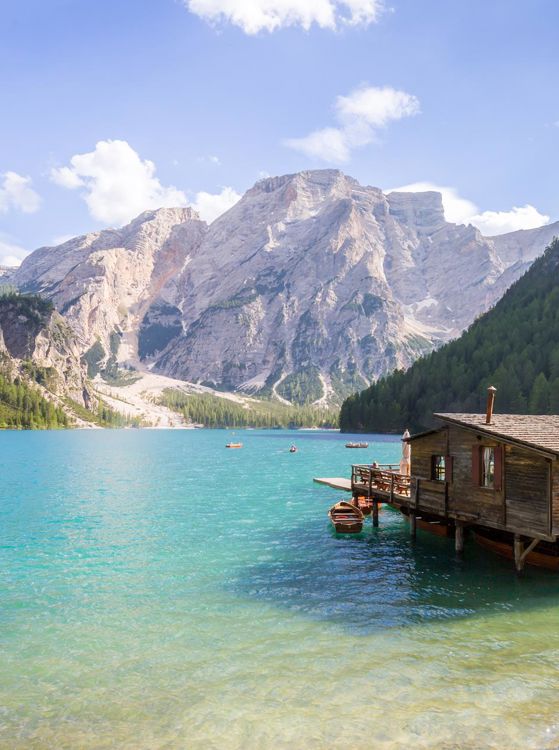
(514,346)
(41,371)
(310,287)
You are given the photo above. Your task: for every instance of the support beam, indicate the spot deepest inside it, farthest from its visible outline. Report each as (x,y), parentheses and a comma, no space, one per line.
(521,553)
(518,553)
(413,523)
(375,512)
(459,538)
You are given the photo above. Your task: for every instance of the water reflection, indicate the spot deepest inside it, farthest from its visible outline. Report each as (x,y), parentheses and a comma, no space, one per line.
(381,578)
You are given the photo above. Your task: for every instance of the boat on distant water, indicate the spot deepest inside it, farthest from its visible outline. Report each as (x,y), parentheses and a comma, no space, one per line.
(293,449)
(346,518)
(234,445)
(357,445)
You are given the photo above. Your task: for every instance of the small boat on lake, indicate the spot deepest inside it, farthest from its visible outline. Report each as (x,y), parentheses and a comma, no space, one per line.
(346,518)
(357,445)
(234,445)
(293,449)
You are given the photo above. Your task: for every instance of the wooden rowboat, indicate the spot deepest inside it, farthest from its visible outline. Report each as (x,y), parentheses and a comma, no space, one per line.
(234,445)
(346,518)
(357,445)
(545,555)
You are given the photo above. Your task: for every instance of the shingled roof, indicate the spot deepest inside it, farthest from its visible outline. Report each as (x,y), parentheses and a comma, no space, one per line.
(537,431)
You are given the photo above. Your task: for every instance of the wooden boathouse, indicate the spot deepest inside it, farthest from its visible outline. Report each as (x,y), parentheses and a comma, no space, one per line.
(493,475)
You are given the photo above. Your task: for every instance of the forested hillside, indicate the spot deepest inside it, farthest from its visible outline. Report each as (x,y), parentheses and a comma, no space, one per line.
(22,406)
(213,411)
(515,347)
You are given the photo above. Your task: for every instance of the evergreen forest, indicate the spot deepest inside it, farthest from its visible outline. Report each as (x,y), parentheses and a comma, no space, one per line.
(514,346)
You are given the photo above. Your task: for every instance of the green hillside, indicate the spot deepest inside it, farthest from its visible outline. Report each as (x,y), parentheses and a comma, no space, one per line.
(213,411)
(22,406)
(514,346)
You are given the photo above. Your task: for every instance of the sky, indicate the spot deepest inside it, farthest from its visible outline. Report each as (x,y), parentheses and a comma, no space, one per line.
(112,107)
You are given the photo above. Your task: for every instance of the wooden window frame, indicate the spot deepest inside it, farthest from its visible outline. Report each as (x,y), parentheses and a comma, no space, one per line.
(478,467)
(435,468)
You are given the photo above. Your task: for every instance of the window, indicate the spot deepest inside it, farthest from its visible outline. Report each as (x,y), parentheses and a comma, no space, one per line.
(488,467)
(438,468)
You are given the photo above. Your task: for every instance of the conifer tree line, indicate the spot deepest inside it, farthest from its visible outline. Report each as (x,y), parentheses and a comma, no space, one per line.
(23,407)
(214,411)
(514,346)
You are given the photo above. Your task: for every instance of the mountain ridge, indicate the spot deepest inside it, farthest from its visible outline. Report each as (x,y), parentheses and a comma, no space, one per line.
(310,287)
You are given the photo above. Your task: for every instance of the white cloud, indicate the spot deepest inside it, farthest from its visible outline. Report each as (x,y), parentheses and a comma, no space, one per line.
(460,210)
(253,16)
(116,183)
(16,192)
(500,222)
(11,254)
(360,115)
(210,206)
(212,159)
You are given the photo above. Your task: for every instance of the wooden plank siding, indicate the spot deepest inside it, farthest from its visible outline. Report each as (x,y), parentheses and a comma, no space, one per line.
(466,497)
(527,479)
(521,499)
(555,498)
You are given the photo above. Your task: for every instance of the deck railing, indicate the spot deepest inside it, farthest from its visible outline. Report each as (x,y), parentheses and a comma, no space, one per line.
(380,479)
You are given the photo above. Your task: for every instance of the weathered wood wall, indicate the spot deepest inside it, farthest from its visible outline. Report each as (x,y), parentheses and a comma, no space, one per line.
(527,481)
(521,502)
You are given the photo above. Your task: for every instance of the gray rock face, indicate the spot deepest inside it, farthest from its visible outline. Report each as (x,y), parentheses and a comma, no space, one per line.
(36,340)
(310,287)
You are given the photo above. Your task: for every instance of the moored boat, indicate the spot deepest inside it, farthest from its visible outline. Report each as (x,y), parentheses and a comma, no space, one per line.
(346,518)
(234,445)
(357,445)
(545,554)
(364,504)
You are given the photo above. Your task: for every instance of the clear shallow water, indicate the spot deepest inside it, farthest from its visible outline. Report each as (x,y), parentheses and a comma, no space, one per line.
(159,591)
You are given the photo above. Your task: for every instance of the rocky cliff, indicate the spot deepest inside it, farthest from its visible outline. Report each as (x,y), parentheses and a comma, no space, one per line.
(37,344)
(311,286)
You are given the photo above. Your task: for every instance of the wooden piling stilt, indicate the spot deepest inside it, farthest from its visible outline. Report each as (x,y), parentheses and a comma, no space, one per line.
(375,512)
(413,523)
(518,553)
(459,538)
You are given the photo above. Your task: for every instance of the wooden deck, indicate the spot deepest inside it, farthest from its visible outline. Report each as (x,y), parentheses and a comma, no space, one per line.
(383,484)
(337,483)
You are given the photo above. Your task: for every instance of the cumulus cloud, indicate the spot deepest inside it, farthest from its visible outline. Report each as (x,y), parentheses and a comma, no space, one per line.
(210,205)
(460,210)
(11,254)
(116,183)
(253,16)
(16,193)
(360,115)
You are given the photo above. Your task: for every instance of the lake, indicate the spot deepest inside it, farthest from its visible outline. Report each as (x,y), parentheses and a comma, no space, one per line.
(160,591)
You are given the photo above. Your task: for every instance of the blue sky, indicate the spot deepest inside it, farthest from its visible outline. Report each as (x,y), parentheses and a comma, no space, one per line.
(448,93)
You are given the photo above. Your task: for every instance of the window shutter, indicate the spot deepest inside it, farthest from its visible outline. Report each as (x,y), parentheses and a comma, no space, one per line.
(476,473)
(498,484)
(449,466)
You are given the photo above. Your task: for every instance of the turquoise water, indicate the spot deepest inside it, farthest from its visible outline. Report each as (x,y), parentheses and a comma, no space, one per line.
(159,591)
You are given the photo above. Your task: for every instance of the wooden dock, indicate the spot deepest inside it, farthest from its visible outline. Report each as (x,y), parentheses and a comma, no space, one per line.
(337,483)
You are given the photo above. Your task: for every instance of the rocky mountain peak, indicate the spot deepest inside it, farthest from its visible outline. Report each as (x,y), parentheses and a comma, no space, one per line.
(309,287)
(423,211)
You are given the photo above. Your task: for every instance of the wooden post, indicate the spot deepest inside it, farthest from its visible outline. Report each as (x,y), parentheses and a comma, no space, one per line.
(518,553)
(375,512)
(459,538)
(413,511)
(392,490)
(413,523)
